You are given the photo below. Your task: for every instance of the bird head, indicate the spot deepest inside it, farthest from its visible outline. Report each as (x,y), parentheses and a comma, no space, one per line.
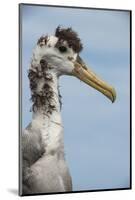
(61,52)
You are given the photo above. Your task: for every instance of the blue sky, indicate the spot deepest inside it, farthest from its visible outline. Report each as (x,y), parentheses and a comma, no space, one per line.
(96,132)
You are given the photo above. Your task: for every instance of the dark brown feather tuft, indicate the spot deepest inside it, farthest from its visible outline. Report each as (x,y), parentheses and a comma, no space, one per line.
(70,36)
(46,96)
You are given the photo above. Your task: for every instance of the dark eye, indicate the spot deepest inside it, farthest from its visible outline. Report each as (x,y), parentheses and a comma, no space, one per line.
(62,49)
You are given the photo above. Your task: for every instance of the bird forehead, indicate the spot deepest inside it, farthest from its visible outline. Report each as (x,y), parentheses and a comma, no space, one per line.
(52,40)
(49,41)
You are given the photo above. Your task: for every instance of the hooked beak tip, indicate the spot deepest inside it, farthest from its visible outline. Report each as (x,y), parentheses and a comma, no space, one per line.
(113,95)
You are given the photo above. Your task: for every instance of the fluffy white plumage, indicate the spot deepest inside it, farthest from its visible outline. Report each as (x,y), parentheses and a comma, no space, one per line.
(49,173)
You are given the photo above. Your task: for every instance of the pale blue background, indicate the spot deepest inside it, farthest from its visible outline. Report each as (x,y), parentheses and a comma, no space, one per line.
(97,132)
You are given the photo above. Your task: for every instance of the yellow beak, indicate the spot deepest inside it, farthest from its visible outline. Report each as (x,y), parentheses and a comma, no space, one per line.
(86,75)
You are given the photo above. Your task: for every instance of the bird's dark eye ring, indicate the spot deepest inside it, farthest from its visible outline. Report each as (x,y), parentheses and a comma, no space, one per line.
(62,49)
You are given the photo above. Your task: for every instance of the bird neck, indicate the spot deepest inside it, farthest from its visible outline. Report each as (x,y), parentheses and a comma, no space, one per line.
(46,98)
(46,112)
